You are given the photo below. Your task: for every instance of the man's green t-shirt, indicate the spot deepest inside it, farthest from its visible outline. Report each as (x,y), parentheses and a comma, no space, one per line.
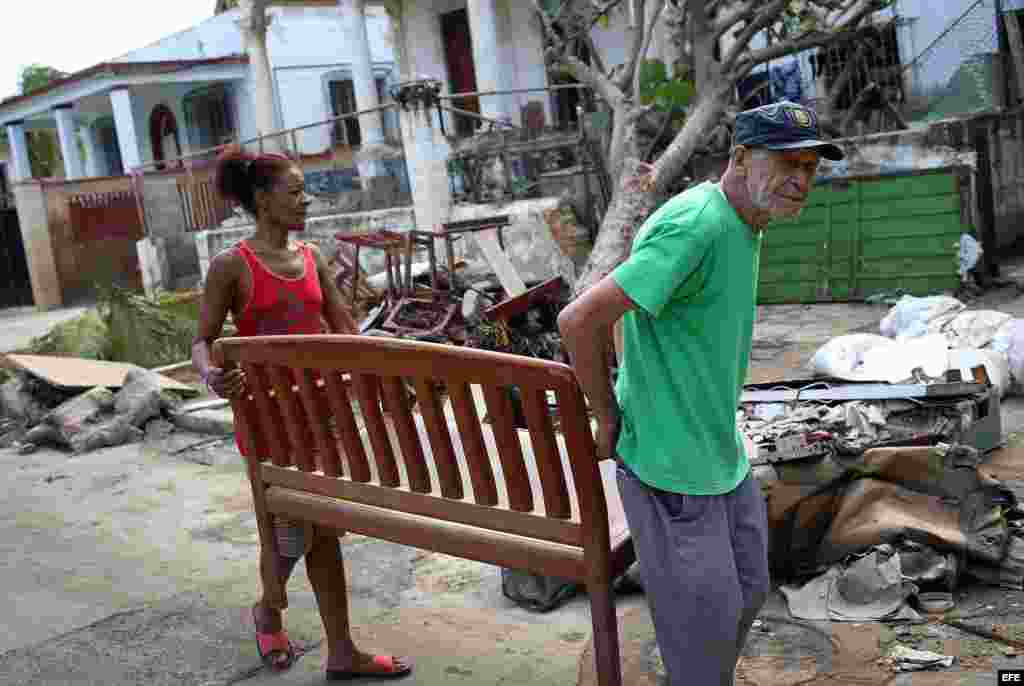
(692,273)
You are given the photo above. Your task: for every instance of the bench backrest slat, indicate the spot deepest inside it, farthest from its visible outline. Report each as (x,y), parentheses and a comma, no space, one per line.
(440,438)
(297,428)
(316,405)
(367,390)
(545,448)
(446,446)
(396,402)
(510,452)
(341,409)
(485,492)
(268,414)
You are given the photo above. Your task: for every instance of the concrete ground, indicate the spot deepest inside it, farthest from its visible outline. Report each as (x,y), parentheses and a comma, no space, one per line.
(137,565)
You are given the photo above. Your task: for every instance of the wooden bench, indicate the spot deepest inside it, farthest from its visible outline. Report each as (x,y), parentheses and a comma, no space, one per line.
(533,499)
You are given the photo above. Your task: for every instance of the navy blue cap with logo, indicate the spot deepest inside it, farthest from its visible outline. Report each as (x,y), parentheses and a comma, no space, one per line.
(783,126)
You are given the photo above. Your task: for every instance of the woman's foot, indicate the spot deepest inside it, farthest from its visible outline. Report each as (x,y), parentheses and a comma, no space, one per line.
(350,663)
(272,642)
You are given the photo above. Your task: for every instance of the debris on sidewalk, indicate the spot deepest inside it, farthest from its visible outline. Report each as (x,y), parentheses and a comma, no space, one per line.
(904,659)
(69,373)
(47,402)
(99,418)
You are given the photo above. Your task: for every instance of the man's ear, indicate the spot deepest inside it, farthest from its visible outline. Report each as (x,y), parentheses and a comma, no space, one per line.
(741,159)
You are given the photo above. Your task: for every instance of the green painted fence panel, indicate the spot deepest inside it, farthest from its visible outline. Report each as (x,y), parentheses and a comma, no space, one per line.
(862,237)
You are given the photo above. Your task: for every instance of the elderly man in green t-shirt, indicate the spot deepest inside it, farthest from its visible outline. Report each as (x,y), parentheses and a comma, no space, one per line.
(687,299)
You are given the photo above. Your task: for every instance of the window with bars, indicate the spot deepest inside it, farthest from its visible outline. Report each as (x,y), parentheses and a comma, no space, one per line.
(874,57)
(209,117)
(343,101)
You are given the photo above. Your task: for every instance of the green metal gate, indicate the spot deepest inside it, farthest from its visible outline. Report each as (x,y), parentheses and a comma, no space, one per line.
(859,237)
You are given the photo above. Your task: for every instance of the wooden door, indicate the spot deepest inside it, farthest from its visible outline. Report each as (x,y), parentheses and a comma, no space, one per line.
(458,50)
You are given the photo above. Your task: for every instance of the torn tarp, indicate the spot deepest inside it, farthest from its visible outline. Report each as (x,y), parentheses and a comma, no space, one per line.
(934,496)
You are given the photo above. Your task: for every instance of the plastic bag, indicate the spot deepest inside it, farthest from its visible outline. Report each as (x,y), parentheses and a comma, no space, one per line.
(973,329)
(536,592)
(911,315)
(970,253)
(843,357)
(1009,340)
(867,357)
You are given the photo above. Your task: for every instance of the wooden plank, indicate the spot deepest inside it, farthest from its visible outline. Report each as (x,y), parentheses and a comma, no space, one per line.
(269,416)
(341,407)
(367,390)
(545,449)
(440,439)
(510,452)
(72,372)
(396,401)
(318,411)
(467,419)
(496,257)
(433,533)
(526,524)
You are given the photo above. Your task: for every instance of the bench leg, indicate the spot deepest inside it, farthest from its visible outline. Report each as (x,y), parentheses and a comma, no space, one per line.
(606,633)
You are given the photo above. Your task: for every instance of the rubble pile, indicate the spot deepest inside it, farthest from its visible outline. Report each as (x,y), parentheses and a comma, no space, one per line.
(877,506)
(37,413)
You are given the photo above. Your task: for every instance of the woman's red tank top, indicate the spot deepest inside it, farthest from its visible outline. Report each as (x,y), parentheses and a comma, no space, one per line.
(278,306)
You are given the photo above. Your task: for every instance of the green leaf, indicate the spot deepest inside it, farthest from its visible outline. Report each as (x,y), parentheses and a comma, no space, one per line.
(604,22)
(653,74)
(675,94)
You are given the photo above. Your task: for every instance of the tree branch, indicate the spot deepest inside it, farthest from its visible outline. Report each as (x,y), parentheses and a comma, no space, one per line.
(745,11)
(661,134)
(595,55)
(599,83)
(815,39)
(766,16)
(659,6)
(626,78)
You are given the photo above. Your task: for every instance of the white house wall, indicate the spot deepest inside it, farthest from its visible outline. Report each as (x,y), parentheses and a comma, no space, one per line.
(975,34)
(305,45)
(217,36)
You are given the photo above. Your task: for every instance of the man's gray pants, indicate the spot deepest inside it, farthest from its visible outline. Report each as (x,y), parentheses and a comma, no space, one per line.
(704,565)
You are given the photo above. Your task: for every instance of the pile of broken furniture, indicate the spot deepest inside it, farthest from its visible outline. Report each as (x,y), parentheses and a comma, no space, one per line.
(444,303)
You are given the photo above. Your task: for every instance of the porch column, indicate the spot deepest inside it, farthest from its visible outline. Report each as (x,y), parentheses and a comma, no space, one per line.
(253,25)
(483,27)
(353,14)
(353,17)
(426,158)
(124,123)
(73,167)
(21,167)
(93,166)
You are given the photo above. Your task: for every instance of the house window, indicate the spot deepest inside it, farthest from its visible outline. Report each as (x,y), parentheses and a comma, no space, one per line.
(209,117)
(882,64)
(343,101)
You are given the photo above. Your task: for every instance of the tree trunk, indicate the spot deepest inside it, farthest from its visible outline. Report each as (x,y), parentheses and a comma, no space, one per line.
(630,206)
(699,122)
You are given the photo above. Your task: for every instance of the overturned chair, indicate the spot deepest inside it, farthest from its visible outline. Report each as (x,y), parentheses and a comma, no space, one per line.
(336,438)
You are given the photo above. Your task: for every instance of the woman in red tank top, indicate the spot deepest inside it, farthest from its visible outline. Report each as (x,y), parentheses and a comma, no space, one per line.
(274,285)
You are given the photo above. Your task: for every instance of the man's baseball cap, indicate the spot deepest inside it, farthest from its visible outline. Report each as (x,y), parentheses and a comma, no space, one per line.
(783,126)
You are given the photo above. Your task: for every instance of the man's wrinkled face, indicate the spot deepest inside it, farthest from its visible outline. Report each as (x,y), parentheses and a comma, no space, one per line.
(778,182)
